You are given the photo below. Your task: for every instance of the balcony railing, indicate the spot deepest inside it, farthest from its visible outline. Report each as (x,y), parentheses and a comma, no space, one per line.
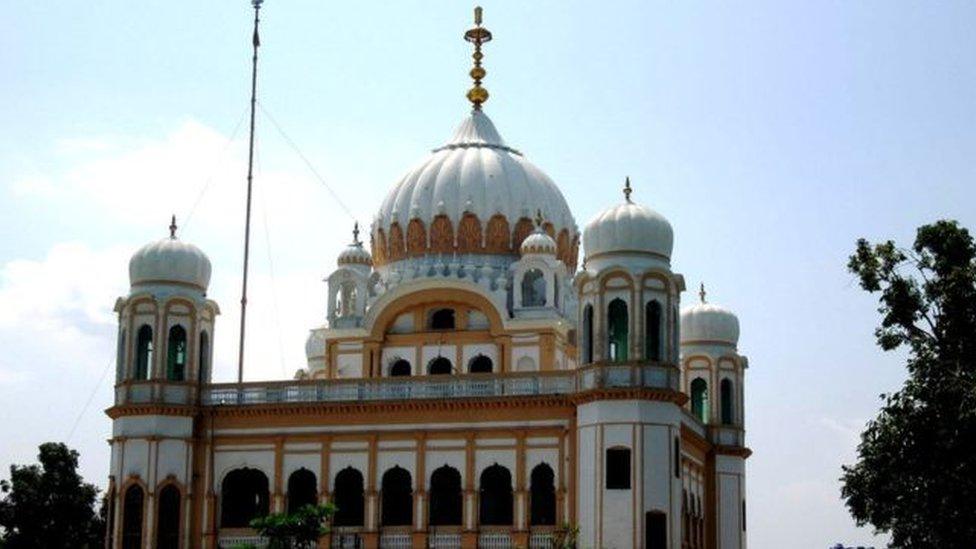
(522,384)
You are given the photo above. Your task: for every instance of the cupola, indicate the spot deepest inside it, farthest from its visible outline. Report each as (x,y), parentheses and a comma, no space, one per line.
(355,253)
(628,228)
(169,261)
(708,323)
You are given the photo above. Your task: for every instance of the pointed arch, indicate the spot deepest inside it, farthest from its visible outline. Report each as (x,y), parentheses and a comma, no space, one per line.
(168,518)
(400,367)
(498,235)
(348,497)
(416,237)
(445,497)
(133,507)
(243,497)
(301,489)
(727,398)
(398,249)
(699,399)
(495,495)
(542,494)
(523,228)
(533,288)
(469,234)
(480,364)
(652,330)
(441,235)
(378,247)
(440,366)
(618,324)
(396,497)
(176,354)
(144,353)
(562,246)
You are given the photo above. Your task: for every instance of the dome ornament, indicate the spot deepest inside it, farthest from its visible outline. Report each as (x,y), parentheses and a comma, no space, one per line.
(701,292)
(477,35)
(628,190)
(538,220)
(172,227)
(355,235)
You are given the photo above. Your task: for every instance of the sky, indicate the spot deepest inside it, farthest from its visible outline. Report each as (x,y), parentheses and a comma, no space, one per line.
(771,134)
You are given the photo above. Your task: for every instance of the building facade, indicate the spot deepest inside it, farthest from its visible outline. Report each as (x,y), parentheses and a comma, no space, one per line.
(471,385)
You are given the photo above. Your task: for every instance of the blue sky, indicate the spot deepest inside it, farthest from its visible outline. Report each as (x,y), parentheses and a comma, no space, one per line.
(771,134)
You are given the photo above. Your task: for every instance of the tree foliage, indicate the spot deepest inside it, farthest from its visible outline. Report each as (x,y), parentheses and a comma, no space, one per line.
(49,505)
(299,530)
(915,476)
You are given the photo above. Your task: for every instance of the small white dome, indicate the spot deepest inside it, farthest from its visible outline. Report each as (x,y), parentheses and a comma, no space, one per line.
(538,243)
(169,261)
(355,253)
(709,323)
(628,227)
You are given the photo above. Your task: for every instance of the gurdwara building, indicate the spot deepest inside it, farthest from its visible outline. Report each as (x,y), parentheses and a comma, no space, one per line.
(472,384)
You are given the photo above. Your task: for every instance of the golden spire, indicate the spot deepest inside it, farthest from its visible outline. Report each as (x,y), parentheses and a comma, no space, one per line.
(477,35)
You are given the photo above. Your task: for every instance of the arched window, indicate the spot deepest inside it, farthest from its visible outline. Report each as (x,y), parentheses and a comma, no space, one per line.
(439,366)
(445,497)
(301,489)
(176,354)
(533,289)
(144,352)
(588,334)
(397,498)
(727,397)
(132,507)
(652,330)
(168,523)
(347,495)
(617,328)
(243,497)
(699,399)
(542,490)
(400,367)
(203,363)
(655,530)
(618,468)
(480,365)
(496,496)
(442,319)
(110,516)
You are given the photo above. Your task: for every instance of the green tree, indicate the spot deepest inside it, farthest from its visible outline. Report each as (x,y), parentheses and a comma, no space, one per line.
(299,530)
(49,505)
(915,476)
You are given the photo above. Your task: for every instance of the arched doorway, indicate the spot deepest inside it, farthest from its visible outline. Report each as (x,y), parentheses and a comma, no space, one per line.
(480,365)
(243,497)
(445,497)
(542,491)
(439,366)
(397,498)
(301,489)
(132,509)
(496,496)
(347,495)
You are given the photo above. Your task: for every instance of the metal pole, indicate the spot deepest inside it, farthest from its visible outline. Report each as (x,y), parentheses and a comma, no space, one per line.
(250,177)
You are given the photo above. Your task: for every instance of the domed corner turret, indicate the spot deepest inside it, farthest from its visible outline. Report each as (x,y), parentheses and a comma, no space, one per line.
(348,285)
(166,323)
(538,276)
(538,243)
(713,371)
(628,232)
(169,264)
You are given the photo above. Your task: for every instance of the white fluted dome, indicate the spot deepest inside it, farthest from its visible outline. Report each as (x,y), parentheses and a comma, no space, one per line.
(170,261)
(628,227)
(538,243)
(709,323)
(354,254)
(477,174)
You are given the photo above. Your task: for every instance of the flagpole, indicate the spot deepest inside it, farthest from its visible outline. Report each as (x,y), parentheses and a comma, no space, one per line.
(255,42)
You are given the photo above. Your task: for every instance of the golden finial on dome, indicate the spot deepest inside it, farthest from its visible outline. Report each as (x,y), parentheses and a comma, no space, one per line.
(627,189)
(477,35)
